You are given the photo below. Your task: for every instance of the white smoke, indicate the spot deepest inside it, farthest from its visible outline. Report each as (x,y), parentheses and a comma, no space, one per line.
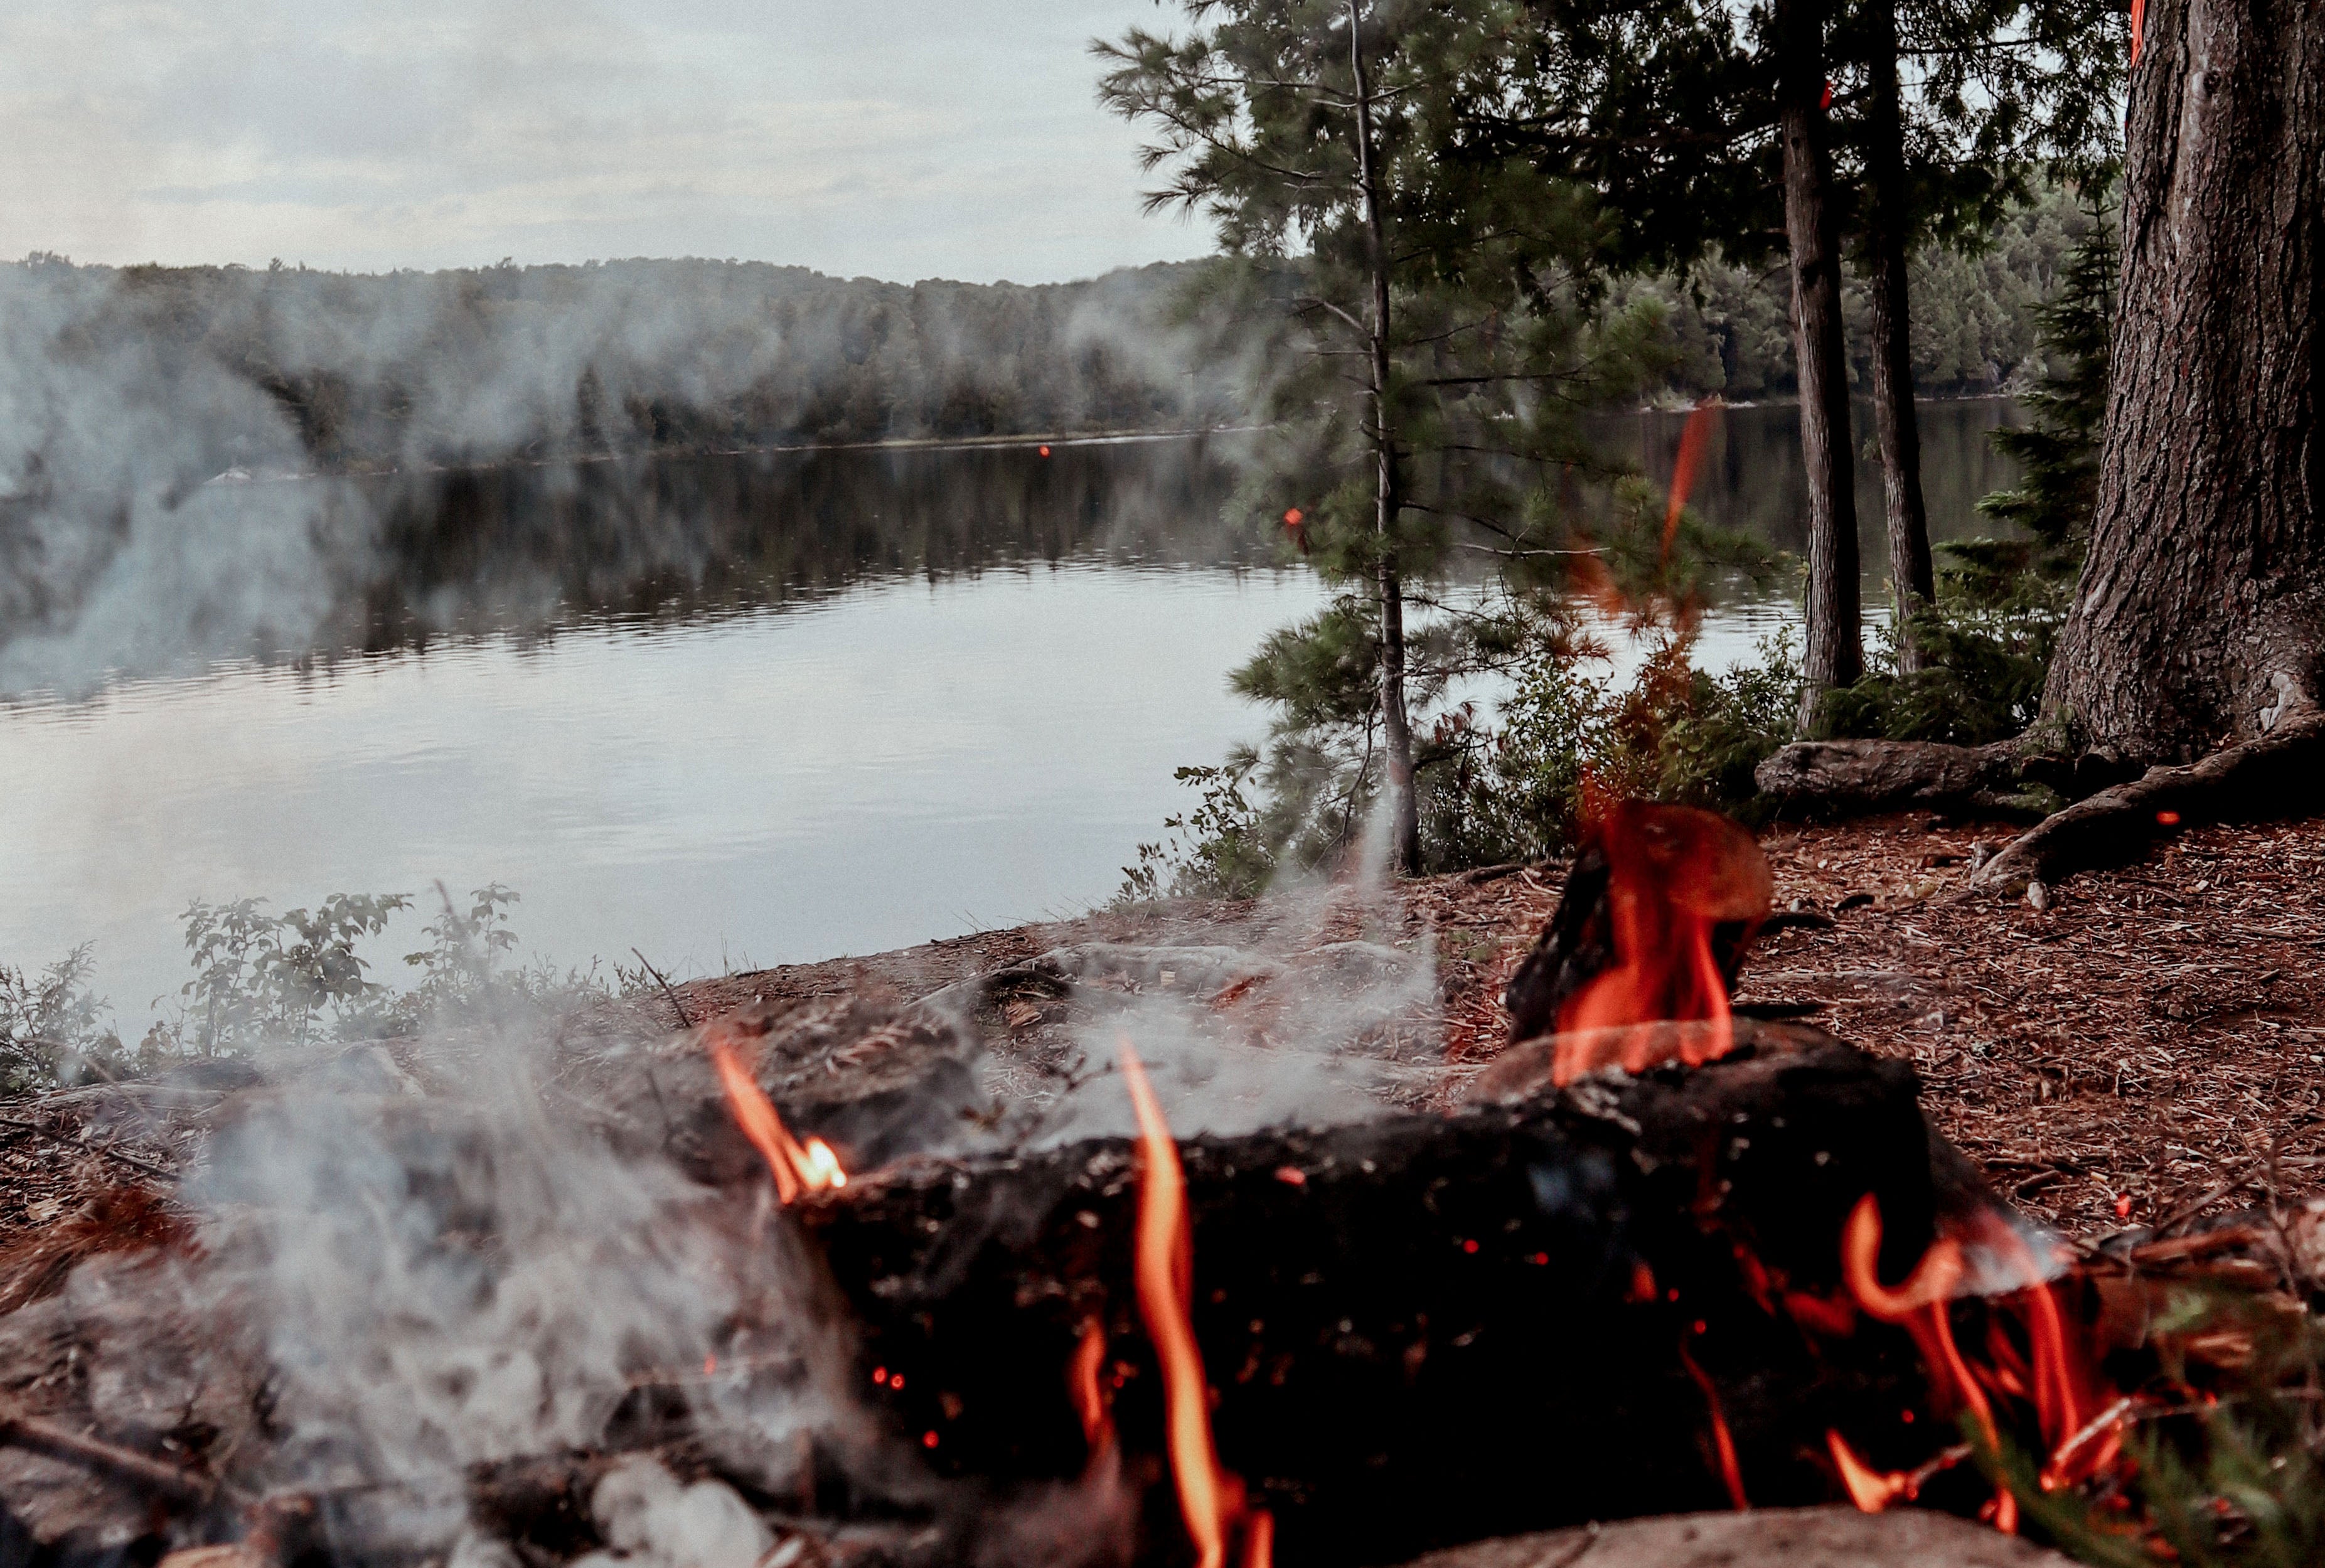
(153,425)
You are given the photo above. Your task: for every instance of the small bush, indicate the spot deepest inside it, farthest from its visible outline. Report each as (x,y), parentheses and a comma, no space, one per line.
(51,1028)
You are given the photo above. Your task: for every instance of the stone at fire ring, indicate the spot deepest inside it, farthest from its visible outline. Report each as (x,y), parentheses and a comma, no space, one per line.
(1833,1537)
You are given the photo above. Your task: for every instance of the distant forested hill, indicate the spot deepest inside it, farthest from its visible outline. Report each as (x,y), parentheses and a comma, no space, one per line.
(617,357)
(214,367)
(1974,324)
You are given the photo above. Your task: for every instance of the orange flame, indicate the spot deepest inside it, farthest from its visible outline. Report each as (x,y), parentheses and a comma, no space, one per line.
(1673,874)
(2138,26)
(1210,1498)
(1871,1490)
(1691,438)
(2082,1430)
(796,1168)
(1723,1441)
(1082,1382)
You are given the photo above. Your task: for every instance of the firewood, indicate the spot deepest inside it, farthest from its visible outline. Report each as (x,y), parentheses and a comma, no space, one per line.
(1424,1328)
(1712,858)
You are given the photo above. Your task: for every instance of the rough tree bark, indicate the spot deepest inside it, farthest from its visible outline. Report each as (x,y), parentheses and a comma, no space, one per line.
(2198,616)
(1834,651)
(1397,734)
(1912,578)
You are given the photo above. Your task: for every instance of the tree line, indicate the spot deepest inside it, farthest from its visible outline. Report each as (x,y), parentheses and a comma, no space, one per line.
(488,364)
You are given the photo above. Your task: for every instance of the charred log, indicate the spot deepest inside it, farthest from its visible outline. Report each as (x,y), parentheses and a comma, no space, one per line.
(1423,1329)
(1661,845)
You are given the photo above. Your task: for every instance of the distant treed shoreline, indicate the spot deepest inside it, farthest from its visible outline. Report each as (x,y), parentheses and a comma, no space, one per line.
(290,369)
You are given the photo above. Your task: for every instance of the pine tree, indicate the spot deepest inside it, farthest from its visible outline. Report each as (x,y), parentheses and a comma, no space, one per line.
(2067,407)
(1426,333)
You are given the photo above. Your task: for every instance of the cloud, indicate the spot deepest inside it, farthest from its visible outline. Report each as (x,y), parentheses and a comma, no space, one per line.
(902,139)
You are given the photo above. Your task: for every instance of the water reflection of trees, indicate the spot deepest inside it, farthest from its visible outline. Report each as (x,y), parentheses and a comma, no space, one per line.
(1751,479)
(528,549)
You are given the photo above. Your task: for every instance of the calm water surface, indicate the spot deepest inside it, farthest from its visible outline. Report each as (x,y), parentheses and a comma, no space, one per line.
(733,712)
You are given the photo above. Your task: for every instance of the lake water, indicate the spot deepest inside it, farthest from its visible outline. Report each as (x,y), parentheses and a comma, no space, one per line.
(733,712)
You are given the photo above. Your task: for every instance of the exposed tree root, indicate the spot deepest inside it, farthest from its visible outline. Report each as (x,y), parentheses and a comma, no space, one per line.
(2280,774)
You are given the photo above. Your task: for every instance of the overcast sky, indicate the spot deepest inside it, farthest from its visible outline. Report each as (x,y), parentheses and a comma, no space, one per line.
(896,138)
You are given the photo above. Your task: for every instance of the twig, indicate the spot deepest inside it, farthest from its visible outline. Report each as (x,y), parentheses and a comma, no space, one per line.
(157,1475)
(683,1021)
(108,1150)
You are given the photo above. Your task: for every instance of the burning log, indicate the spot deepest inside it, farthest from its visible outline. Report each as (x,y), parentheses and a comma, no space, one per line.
(1422,1329)
(1653,923)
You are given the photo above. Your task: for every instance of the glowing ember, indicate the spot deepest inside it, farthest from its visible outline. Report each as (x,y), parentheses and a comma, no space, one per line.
(1723,1442)
(1675,874)
(1045,452)
(797,1169)
(1210,1498)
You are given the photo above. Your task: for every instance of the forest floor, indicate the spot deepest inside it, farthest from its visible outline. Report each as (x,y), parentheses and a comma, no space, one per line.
(2153,1040)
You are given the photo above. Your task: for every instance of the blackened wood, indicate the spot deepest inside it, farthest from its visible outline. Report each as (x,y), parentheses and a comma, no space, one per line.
(1577,943)
(1423,1329)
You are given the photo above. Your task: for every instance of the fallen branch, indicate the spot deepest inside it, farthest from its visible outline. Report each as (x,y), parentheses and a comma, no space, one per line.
(2276,776)
(153,1474)
(1843,776)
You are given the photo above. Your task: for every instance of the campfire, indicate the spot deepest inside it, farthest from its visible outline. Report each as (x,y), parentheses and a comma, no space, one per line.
(795,1286)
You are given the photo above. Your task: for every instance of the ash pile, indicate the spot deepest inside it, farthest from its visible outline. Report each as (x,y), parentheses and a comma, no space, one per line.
(1119,1255)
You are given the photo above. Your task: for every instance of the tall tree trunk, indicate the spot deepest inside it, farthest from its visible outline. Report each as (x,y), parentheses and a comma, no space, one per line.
(1396,733)
(1834,655)
(2202,600)
(1913,578)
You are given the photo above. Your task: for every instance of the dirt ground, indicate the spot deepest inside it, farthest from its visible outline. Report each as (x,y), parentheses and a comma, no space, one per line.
(2155,1040)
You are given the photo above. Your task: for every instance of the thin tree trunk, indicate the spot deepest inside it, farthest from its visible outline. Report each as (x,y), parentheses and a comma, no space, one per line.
(1913,578)
(1834,653)
(1397,734)
(2202,600)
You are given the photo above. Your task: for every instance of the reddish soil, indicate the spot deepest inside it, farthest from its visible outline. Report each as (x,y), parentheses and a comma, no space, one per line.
(2153,1040)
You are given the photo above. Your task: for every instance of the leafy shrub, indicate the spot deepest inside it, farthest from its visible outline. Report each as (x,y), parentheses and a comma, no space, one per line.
(52,1028)
(262,977)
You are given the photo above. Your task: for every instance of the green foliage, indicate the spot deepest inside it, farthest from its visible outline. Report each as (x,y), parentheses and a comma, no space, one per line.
(456,967)
(1675,734)
(262,977)
(1984,309)
(2067,409)
(1216,849)
(52,1028)
(1427,333)
(2224,1469)
(292,367)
